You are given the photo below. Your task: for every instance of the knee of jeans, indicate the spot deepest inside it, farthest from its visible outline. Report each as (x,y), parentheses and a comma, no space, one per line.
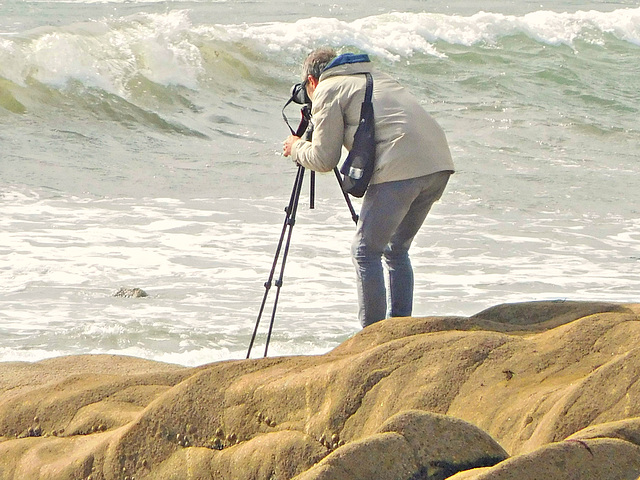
(396,254)
(357,250)
(362,252)
(395,257)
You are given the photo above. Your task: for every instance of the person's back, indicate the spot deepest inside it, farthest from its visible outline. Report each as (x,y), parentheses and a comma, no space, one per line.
(409,142)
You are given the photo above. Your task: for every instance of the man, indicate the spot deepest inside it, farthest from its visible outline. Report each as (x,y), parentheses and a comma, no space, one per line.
(413,165)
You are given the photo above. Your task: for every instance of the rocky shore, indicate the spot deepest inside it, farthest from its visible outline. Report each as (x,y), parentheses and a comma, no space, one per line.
(540,390)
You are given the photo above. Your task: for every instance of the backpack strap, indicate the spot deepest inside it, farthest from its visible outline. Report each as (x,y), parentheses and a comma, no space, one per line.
(359,165)
(369,92)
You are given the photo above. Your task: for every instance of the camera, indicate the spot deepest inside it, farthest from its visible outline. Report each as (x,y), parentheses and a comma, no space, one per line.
(299,94)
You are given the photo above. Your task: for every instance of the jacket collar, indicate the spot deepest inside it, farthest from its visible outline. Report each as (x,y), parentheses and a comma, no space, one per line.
(347,64)
(348,58)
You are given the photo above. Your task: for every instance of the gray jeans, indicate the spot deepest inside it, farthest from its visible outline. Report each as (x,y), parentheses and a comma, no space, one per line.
(391,215)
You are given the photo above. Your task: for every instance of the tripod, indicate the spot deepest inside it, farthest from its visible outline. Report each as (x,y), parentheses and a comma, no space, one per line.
(287,230)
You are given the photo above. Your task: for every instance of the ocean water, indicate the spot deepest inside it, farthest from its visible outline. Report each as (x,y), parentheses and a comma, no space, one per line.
(140,147)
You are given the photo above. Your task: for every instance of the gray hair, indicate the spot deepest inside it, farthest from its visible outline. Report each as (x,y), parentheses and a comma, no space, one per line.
(316,62)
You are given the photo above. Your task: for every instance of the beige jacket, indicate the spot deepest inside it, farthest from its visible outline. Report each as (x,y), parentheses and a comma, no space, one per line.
(409,142)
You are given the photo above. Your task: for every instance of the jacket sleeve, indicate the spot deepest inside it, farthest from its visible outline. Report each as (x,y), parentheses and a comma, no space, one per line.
(323,153)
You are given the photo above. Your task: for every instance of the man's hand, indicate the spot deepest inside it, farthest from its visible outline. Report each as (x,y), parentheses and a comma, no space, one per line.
(286,145)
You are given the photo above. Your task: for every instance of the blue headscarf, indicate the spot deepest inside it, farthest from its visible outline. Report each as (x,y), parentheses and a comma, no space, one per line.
(347,58)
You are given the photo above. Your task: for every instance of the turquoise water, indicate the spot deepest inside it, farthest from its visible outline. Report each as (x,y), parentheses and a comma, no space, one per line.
(140,147)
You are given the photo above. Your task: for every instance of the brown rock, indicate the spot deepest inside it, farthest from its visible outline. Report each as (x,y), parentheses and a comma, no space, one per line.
(609,459)
(418,398)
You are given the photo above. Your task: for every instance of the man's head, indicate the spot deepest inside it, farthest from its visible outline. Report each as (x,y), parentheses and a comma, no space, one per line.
(313,66)
(317,61)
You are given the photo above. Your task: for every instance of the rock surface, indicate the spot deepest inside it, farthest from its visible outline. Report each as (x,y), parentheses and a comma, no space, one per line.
(540,390)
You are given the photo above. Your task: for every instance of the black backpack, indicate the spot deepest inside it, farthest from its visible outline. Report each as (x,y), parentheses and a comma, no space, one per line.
(358,167)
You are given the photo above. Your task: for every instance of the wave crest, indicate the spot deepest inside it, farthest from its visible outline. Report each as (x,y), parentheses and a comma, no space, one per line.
(399,35)
(109,55)
(169,50)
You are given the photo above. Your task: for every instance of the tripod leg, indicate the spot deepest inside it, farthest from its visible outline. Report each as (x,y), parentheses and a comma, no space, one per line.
(312,191)
(288,223)
(292,221)
(287,230)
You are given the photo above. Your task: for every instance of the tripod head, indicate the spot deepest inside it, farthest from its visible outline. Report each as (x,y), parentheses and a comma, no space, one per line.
(305,127)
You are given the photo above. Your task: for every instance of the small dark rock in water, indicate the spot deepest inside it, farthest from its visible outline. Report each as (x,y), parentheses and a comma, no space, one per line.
(130,293)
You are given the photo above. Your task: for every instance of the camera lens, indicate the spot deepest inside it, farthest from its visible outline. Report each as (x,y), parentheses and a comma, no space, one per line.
(299,94)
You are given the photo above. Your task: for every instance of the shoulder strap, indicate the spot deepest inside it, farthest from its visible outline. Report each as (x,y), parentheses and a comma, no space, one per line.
(369,92)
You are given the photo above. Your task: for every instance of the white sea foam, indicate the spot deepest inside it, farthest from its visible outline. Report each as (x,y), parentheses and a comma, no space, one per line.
(107,54)
(209,281)
(167,48)
(401,34)
(205,287)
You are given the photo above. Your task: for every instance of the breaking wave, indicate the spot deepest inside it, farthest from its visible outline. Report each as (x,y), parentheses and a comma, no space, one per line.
(119,55)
